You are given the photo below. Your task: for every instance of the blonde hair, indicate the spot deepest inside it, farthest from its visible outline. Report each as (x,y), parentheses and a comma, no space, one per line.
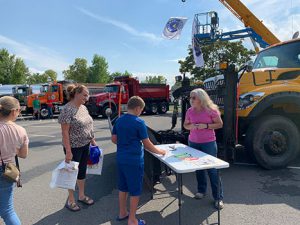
(7,104)
(205,100)
(135,101)
(72,89)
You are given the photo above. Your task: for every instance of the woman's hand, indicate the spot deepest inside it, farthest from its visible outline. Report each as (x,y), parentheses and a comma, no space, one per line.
(199,126)
(69,156)
(93,142)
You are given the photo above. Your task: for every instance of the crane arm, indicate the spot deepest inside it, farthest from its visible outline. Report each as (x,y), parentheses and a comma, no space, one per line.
(237,8)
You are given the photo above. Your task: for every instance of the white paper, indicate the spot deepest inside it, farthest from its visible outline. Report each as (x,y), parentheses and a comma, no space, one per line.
(65,175)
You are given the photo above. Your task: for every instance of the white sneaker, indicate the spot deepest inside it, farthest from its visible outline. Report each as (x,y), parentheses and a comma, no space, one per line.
(199,195)
(220,206)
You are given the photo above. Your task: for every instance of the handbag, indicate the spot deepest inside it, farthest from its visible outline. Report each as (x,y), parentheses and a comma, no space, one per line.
(11,172)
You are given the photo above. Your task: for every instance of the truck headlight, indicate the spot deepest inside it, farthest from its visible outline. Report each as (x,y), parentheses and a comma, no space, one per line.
(248,99)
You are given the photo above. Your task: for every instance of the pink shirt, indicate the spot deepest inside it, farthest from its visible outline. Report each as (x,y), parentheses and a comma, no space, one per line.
(12,137)
(205,116)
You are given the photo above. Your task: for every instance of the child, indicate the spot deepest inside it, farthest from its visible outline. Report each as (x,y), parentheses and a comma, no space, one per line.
(128,132)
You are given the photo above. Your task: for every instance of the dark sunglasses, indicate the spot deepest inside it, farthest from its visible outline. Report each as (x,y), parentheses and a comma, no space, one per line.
(192,98)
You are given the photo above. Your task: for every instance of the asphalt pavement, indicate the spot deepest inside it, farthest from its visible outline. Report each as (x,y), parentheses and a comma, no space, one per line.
(252,195)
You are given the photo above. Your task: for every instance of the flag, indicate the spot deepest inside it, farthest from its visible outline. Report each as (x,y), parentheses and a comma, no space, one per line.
(174,27)
(197,52)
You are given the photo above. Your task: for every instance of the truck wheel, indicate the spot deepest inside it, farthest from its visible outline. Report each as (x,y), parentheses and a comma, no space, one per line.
(44,113)
(154,108)
(274,140)
(163,108)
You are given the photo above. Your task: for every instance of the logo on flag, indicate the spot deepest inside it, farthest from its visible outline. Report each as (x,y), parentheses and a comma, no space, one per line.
(197,52)
(174,27)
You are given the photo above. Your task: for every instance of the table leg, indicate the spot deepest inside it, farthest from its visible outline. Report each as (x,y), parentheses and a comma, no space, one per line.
(219,188)
(152,179)
(179,182)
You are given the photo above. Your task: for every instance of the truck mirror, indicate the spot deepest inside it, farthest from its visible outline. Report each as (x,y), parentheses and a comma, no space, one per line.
(249,66)
(178,78)
(108,112)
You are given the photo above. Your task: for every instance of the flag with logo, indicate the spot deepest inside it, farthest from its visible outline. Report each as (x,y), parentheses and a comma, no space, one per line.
(174,27)
(197,52)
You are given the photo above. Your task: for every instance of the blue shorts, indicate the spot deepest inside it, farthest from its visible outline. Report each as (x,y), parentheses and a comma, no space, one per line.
(130,178)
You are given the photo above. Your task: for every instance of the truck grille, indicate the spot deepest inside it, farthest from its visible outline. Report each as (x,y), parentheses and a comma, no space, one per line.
(216,91)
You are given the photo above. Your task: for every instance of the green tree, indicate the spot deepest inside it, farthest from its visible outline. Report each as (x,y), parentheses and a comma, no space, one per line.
(12,69)
(78,71)
(118,74)
(155,80)
(51,74)
(234,52)
(98,72)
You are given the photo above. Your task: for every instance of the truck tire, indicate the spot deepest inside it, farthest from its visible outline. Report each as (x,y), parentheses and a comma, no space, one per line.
(274,141)
(163,108)
(44,112)
(154,108)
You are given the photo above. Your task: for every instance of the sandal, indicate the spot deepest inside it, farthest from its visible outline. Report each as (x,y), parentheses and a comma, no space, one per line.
(123,218)
(141,222)
(86,201)
(72,207)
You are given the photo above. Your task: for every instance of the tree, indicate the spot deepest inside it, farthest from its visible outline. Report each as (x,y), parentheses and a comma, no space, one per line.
(78,71)
(12,70)
(234,52)
(51,74)
(98,72)
(118,74)
(155,80)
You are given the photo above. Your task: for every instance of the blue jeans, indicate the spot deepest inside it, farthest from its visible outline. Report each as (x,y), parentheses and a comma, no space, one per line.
(211,149)
(7,212)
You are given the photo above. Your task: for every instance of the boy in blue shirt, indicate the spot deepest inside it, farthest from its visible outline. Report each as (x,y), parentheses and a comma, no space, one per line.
(129,132)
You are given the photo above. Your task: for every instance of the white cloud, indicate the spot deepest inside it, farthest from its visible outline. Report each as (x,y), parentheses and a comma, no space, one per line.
(38,58)
(123,26)
(174,60)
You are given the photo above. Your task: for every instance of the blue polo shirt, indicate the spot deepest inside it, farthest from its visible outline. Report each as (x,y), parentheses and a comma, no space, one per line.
(130,131)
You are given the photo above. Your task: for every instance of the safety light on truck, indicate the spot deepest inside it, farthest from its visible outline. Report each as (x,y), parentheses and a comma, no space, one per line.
(246,100)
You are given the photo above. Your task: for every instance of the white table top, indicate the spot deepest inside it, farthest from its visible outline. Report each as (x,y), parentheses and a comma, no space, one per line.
(184,159)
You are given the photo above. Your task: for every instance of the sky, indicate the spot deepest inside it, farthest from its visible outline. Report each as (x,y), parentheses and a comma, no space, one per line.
(50,34)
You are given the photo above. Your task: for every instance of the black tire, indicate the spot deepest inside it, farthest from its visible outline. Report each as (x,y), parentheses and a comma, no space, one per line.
(274,141)
(163,108)
(154,108)
(44,113)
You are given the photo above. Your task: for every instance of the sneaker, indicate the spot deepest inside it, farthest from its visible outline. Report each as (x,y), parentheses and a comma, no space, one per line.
(220,206)
(199,195)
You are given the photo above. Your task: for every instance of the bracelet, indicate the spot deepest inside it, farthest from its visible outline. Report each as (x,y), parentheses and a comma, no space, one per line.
(207,126)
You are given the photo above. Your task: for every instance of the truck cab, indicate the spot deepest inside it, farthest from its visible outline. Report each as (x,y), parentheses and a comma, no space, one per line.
(21,92)
(117,94)
(53,91)
(269,104)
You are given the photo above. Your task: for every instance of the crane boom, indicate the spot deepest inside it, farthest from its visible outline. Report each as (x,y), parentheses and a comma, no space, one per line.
(237,8)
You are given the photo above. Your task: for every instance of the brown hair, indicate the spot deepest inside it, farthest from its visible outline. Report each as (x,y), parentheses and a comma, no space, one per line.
(7,104)
(135,101)
(72,89)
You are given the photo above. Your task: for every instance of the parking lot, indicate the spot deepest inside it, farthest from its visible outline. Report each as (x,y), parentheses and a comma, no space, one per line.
(252,195)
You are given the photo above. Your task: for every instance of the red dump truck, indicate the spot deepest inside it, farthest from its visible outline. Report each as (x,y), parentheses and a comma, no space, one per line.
(156,96)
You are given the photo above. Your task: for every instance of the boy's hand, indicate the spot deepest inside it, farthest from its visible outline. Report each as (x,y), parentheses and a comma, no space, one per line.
(162,152)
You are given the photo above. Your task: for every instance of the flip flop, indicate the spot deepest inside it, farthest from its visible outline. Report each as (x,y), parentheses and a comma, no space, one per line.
(141,222)
(72,207)
(121,219)
(86,201)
